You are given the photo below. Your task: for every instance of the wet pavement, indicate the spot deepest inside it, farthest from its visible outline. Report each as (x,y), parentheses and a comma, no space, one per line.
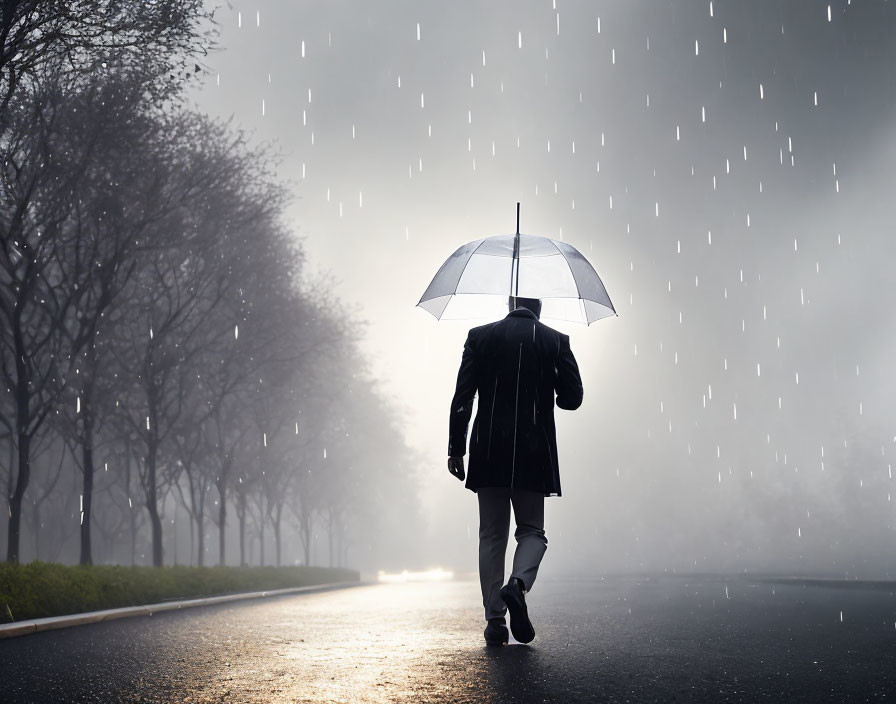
(670,639)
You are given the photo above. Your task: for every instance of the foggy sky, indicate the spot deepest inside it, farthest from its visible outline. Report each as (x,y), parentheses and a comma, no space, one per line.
(502,102)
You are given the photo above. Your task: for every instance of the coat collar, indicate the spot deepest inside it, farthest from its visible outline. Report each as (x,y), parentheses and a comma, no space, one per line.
(522,313)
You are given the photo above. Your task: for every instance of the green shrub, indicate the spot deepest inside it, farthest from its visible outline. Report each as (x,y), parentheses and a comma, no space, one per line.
(41,589)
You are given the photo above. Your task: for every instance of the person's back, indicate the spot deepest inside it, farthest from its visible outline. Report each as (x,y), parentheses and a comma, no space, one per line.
(516,366)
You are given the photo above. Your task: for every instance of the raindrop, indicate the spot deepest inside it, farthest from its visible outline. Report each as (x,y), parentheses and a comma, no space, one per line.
(418,31)
(236,332)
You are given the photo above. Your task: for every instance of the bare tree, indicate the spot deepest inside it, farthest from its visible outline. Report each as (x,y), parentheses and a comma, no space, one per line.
(43,274)
(123,195)
(57,37)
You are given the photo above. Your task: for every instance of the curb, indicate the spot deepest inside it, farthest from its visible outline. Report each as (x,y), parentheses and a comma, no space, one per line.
(21,628)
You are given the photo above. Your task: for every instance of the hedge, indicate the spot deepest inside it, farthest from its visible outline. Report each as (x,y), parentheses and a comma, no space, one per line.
(40,589)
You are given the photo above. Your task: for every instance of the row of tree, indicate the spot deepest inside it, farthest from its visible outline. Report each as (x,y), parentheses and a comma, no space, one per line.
(155,324)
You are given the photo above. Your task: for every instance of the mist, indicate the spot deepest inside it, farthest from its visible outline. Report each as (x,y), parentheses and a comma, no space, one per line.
(726,168)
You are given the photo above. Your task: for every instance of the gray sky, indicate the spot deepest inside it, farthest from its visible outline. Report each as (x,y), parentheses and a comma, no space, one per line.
(725,166)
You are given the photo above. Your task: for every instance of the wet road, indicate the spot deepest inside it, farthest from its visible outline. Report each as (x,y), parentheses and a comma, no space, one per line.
(614,640)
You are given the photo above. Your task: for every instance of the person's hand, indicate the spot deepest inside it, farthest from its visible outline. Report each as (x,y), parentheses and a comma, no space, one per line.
(456,467)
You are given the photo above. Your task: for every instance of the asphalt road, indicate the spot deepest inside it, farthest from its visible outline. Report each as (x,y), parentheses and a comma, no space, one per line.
(672,639)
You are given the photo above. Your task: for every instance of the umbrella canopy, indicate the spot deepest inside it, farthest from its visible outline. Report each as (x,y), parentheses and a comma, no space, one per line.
(477,279)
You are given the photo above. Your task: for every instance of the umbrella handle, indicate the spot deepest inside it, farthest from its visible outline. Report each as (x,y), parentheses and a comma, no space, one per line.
(516,259)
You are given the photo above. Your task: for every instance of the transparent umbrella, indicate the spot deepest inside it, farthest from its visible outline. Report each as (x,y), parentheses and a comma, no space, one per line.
(477,279)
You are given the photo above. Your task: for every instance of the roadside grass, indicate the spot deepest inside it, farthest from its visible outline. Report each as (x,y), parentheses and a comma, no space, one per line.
(40,589)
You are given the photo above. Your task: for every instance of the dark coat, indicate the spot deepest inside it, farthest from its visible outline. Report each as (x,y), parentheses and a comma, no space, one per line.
(515,365)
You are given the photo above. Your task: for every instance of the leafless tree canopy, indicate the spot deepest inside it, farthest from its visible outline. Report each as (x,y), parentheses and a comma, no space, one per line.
(166,366)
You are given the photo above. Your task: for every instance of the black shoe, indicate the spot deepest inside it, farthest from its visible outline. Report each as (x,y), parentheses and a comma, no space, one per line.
(514,596)
(496,632)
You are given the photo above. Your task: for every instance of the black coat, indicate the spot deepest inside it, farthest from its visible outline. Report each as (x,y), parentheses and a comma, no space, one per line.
(515,365)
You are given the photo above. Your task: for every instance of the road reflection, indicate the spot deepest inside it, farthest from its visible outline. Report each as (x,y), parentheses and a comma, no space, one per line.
(382,643)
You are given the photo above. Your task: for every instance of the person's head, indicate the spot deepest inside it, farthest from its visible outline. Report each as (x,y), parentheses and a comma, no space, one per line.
(533,304)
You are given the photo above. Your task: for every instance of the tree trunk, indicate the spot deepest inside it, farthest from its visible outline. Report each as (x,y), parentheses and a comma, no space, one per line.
(87,496)
(23,420)
(192,542)
(330,535)
(306,538)
(24,474)
(241,513)
(277,517)
(222,518)
(200,528)
(127,487)
(261,523)
(37,530)
(152,502)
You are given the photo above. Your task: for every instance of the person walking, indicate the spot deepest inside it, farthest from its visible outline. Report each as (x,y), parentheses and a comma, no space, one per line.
(516,366)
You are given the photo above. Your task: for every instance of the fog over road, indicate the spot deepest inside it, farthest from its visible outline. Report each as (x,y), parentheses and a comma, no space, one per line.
(618,639)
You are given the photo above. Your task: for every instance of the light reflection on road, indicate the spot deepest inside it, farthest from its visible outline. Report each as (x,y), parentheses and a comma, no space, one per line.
(380,643)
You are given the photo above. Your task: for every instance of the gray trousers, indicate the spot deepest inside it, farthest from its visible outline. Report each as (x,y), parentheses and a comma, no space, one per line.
(494,528)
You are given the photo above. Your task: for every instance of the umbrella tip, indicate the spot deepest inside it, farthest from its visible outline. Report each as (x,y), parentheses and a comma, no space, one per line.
(517,218)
